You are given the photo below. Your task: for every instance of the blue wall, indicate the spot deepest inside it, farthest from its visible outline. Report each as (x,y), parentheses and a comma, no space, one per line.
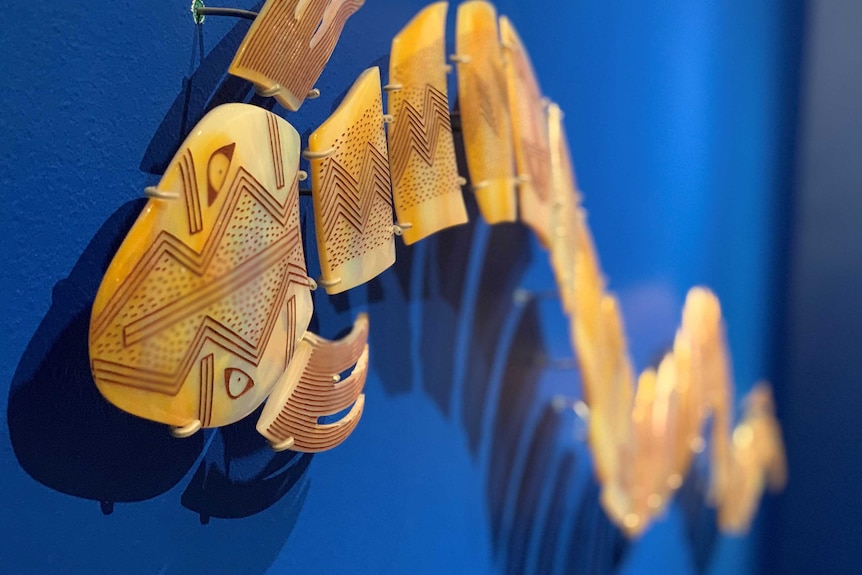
(820,395)
(679,118)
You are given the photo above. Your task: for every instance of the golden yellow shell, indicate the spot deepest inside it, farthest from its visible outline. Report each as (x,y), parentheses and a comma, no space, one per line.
(204,303)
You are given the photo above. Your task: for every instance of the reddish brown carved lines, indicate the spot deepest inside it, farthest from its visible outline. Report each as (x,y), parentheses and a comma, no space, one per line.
(190,192)
(336,356)
(209,294)
(210,331)
(218,167)
(195,262)
(281,252)
(318,394)
(292,53)
(344,198)
(290,342)
(275,146)
(207,385)
(330,398)
(419,131)
(484,99)
(538,162)
(237,382)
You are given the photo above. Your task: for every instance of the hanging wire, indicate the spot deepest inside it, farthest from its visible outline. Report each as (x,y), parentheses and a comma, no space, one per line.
(199,12)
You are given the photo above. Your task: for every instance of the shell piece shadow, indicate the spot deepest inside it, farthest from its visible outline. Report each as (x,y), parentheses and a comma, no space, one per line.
(554,522)
(241,476)
(202,90)
(516,396)
(64,434)
(540,460)
(69,439)
(596,545)
(442,310)
(700,519)
(502,271)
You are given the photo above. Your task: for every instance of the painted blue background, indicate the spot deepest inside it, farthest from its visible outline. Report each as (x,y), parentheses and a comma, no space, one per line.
(681,118)
(815,527)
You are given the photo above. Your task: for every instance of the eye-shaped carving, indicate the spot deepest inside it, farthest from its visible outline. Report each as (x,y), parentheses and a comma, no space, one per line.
(237,382)
(217,169)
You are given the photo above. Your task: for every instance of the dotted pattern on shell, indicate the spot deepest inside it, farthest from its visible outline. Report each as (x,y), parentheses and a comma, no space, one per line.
(235,286)
(357,214)
(422,149)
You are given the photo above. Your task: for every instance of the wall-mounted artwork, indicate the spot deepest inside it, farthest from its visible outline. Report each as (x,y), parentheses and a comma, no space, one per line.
(289,44)
(238,360)
(203,313)
(206,300)
(530,126)
(425,180)
(352,189)
(312,388)
(483,103)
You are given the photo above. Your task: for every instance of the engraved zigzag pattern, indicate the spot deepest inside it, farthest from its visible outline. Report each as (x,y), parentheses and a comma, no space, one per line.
(419,131)
(486,106)
(210,330)
(484,99)
(218,289)
(195,262)
(344,198)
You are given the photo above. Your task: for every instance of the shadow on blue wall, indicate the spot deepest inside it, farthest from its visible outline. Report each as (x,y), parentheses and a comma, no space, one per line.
(701,520)
(392,291)
(444,315)
(64,434)
(240,476)
(67,437)
(206,87)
